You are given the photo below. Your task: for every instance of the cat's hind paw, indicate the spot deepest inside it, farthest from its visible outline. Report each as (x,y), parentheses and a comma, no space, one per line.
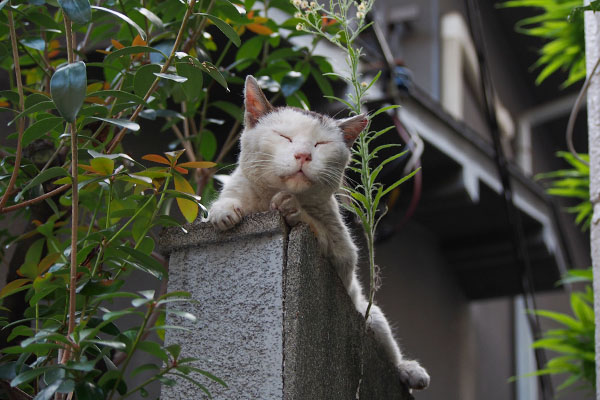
(225,213)
(289,207)
(413,375)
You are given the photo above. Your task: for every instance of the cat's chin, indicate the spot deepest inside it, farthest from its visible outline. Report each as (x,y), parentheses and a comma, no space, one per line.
(296,182)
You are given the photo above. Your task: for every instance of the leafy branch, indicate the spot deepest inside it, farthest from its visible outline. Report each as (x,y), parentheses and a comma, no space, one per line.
(348,22)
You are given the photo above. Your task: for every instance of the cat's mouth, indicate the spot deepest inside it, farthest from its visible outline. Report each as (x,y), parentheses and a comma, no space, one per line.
(298,176)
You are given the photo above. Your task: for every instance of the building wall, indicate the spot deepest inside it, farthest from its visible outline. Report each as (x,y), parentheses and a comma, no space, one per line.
(463,345)
(467,346)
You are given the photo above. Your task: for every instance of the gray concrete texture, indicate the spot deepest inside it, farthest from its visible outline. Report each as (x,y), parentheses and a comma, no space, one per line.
(274,320)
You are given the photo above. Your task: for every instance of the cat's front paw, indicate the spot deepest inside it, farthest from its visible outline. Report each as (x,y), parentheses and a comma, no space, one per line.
(413,375)
(225,213)
(289,207)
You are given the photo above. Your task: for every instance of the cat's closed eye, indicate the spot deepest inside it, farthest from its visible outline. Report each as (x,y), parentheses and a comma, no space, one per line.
(283,136)
(319,143)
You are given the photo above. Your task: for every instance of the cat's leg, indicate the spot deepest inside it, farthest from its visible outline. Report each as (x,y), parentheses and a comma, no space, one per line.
(289,207)
(225,213)
(236,200)
(411,373)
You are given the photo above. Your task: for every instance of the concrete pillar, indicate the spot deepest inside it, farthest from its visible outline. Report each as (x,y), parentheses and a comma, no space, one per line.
(592,49)
(274,320)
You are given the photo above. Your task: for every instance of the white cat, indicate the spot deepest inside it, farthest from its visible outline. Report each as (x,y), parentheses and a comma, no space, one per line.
(293,161)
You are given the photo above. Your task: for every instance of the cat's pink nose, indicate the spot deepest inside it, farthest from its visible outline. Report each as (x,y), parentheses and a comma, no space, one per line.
(303,157)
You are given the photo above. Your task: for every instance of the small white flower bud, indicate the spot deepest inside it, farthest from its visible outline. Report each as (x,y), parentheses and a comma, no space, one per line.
(299,27)
(297,3)
(364,84)
(298,15)
(360,15)
(362,7)
(313,4)
(304,4)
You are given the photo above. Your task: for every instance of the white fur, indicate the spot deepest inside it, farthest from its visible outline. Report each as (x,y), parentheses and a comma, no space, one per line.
(267,177)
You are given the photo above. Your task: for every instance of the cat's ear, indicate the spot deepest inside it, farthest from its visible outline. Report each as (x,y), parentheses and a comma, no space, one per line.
(255,101)
(352,127)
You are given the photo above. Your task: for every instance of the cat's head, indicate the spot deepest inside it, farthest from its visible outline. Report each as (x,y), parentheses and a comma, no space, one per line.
(286,148)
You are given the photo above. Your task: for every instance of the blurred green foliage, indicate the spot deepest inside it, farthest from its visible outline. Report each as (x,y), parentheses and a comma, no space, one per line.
(168,62)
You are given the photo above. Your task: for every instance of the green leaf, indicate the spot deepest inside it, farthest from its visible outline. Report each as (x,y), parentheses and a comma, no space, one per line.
(14,286)
(193,87)
(230,108)
(399,182)
(291,82)
(68,89)
(172,77)
(182,314)
(127,51)
(175,350)
(225,28)
(119,95)
(249,51)
(34,43)
(214,73)
(48,392)
(103,165)
(560,318)
(149,263)
(582,310)
(155,349)
(124,18)
(88,391)
(79,11)
(40,129)
(140,302)
(188,208)
(322,82)
(195,382)
(207,374)
(208,145)
(151,17)
(181,293)
(123,123)
(28,375)
(144,77)
(107,343)
(384,109)
(48,174)
(41,106)
(20,330)
(144,367)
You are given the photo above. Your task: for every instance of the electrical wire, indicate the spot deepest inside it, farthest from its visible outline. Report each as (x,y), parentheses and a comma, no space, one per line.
(409,136)
(417,149)
(575,111)
(512,214)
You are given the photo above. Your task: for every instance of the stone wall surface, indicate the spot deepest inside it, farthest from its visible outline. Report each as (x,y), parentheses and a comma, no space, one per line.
(274,320)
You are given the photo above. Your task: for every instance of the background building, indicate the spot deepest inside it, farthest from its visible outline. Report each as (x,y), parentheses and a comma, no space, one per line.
(451,283)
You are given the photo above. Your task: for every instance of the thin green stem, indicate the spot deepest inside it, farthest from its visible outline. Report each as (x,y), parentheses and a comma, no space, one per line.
(94,215)
(164,68)
(366,209)
(223,53)
(74,228)
(147,382)
(134,216)
(21,121)
(108,201)
(131,351)
(150,221)
(125,12)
